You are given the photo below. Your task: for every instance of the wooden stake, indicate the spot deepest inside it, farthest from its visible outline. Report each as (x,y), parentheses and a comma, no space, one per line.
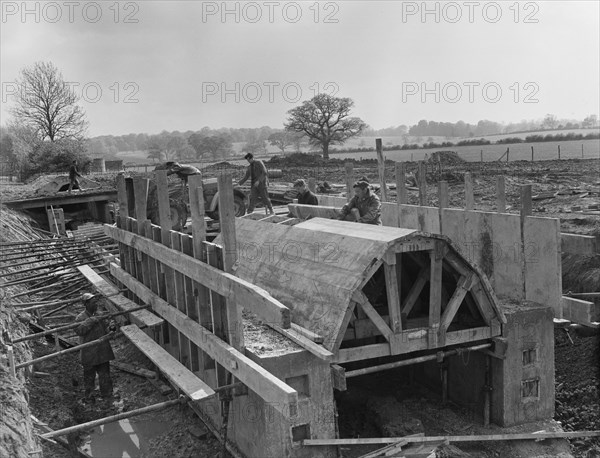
(525,201)
(469,198)
(443,201)
(532,154)
(500,195)
(349,166)
(422,184)
(381,168)
(400,183)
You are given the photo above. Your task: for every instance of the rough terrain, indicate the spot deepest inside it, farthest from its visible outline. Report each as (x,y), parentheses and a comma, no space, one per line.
(55,398)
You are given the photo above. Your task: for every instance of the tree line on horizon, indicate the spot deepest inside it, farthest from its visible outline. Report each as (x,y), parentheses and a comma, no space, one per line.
(48,130)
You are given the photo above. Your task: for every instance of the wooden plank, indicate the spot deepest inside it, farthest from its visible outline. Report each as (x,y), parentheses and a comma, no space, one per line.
(339,337)
(580,311)
(283,398)
(191,307)
(306,343)
(346,355)
(141,317)
(422,184)
(140,191)
(400,185)
(468,438)
(338,377)
(202,293)
(349,168)
(316,338)
(393,296)
(177,373)
(500,194)
(435,292)
(442,200)
(181,304)
(469,198)
(375,317)
(463,287)
(415,290)
(219,325)
(381,169)
(254,298)
(526,203)
(314,211)
(579,244)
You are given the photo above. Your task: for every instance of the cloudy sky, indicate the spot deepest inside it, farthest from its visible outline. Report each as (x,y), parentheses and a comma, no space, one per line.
(168,65)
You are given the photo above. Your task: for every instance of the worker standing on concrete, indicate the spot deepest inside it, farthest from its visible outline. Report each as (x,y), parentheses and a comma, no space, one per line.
(257,172)
(95,359)
(73,174)
(364,207)
(305,196)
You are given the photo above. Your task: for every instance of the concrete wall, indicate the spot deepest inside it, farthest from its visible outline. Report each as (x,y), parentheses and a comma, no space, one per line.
(261,431)
(522,262)
(529,329)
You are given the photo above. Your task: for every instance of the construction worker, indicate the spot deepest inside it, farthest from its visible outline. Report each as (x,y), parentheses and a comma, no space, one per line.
(257,172)
(182,171)
(305,196)
(95,359)
(73,174)
(364,207)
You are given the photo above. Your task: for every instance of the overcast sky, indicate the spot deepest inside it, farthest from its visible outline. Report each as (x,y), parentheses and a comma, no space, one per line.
(168,65)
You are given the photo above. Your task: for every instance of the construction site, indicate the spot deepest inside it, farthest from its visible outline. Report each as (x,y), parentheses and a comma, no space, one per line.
(466,325)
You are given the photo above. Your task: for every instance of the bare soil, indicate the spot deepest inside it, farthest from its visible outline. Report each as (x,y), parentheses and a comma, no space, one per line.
(56,398)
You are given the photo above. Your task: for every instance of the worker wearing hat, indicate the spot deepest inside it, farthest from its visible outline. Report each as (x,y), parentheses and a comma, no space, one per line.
(305,196)
(95,359)
(364,207)
(259,181)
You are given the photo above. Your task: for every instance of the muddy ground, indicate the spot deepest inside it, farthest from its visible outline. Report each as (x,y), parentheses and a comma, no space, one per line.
(56,398)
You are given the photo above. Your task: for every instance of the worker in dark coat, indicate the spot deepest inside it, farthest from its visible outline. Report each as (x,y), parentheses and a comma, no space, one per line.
(305,196)
(259,181)
(364,207)
(73,175)
(95,359)
(182,171)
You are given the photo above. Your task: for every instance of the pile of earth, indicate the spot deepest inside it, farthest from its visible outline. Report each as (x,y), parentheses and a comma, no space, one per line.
(446,158)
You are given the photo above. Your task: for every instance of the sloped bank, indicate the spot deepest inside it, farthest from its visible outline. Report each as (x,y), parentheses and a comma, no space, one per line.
(17,437)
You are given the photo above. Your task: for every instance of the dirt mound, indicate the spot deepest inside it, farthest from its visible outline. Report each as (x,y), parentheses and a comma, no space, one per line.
(580,273)
(446,158)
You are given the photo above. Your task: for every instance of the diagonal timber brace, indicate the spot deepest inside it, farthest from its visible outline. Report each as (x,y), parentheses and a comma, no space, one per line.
(255,299)
(281,396)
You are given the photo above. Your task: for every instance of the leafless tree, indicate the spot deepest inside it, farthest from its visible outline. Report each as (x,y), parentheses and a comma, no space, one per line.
(46,104)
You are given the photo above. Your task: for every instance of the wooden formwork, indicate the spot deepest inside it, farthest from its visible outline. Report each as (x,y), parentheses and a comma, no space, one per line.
(190,285)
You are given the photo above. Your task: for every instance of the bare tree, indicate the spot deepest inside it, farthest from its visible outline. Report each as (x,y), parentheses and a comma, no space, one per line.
(47,104)
(325,120)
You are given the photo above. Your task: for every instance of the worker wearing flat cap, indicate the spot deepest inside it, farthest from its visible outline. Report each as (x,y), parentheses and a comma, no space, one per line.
(364,207)
(305,196)
(259,182)
(95,359)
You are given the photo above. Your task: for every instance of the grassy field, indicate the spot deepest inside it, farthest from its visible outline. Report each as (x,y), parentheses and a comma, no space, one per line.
(518,152)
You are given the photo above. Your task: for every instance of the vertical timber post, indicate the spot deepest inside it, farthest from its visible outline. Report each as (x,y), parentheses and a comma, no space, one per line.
(422,184)
(500,194)
(381,168)
(400,189)
(349,167)
(469,199)
(443,201)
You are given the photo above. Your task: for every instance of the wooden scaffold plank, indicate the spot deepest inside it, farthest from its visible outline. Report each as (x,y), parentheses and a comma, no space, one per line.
(177,373)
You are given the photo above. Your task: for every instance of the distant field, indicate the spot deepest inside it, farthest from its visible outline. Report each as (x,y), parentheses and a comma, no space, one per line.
(543,150)
(518,152)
